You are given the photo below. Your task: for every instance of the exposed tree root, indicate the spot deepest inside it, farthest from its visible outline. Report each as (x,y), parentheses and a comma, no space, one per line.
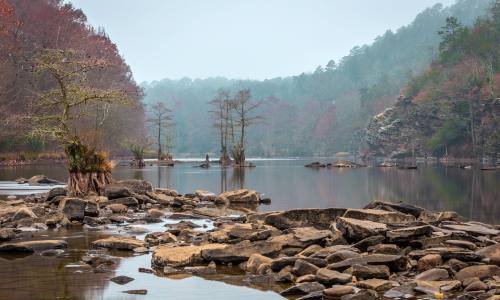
(82,184)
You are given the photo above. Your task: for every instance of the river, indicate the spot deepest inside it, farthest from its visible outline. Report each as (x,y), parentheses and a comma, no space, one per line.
(472,193)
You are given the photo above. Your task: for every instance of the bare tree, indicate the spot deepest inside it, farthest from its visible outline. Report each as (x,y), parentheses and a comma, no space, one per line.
(67,100)
(222,121)
(245,115)
(160,120)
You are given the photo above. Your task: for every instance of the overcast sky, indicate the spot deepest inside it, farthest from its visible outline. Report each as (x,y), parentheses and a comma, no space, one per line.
(242,39)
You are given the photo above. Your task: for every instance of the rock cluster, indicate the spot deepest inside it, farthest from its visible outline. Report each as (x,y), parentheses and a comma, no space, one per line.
(386,250)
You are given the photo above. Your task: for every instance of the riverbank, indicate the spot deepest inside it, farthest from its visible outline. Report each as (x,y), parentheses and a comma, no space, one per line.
(383,249)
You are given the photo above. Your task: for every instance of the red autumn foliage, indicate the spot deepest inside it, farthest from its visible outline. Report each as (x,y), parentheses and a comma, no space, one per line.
(27,27)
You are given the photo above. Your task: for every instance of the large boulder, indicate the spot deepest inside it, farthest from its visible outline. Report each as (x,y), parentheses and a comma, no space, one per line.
(205,195)
(117,208)
(480,271)
(127,201)
(241,252)
(429,261)
(472,229)
(302,267)
(306,217)
(394,262)
(492,253)
(379,216)
(56,192)
(118,243)
(433,274)
(397,206)
(114,190)
(31,246)
(136,186)
(168,255)
(407,234)
(329,277)
(303,289)
(258,264)
(241,196)
(238,232)
(360,271)
(374,284)
(354,229)
(446,253)
(310,235)
(282,262)
(73,208)
(23,213)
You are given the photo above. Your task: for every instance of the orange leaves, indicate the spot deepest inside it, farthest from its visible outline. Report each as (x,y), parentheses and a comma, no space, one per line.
(6,10)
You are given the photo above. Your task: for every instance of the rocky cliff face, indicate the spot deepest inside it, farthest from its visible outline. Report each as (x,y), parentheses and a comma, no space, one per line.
(407,127)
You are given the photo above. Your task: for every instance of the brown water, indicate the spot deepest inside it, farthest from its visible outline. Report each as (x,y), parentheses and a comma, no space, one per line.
(472,193)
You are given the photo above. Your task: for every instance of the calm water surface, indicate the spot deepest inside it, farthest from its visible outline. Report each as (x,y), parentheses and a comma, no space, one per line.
(472,193)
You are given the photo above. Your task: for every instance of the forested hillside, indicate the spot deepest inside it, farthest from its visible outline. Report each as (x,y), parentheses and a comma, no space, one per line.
(453,108)
(322,112)
(27,28)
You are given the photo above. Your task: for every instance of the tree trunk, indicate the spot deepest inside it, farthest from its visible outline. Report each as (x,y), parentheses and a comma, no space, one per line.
(472,132)
(82,184)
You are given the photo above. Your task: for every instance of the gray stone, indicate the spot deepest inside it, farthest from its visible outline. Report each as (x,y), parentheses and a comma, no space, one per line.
(367,272)
(480,271)
(327,276)
(302,267)
(433,274)
(354,229)
(303,288)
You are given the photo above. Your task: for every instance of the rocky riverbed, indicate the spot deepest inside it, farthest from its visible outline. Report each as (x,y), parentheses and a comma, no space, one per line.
(383,251)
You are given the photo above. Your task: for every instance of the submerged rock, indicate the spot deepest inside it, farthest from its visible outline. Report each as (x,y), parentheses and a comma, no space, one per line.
(32,246)
(316,164)
(41,180)
(122,279)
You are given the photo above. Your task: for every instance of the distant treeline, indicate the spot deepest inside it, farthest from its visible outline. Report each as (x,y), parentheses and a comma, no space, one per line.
(453,107)
(27,27)
(322,112)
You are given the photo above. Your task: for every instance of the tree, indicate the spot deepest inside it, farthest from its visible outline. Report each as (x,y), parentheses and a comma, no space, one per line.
(160,119)
(59,109)
(495,13)
(331,65)
(222,121)
(138,147)
(244,110)
(452,33)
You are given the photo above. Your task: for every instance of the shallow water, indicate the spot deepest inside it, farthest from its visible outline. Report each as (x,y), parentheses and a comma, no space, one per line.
(472,193)
(63,277)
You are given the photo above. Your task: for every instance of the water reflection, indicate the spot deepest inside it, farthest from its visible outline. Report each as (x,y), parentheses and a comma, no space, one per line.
(472,193)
